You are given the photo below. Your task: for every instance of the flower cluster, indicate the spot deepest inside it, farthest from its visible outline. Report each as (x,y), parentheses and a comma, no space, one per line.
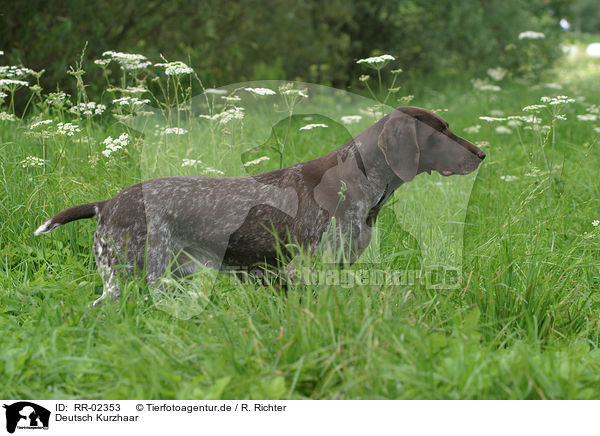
(497,73)
(175,131)
(209,170)
(127,61)
(298,92)
(483,85)
(67,129)
(57,99)
(559,99)
(350,119)
(199,164)
(113,145)
(32,161)
(131,101)
(377,62)
(256,161)
(13,71)
(235,113)
(40,123)
(587,117)
(312,126)
(530,34)
(88,109)
(13,82)
(176,68)
(261,91)
(190,162)
(473,129)
(5,116)
(534,108)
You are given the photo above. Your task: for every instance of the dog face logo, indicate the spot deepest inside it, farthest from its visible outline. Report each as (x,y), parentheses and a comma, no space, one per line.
(26,415)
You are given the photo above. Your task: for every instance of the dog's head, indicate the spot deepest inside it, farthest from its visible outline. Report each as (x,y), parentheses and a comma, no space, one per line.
(416,140)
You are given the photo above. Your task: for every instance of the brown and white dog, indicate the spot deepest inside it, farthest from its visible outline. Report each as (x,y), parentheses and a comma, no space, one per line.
(235,222)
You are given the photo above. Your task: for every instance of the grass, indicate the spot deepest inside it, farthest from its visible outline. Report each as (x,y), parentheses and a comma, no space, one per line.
(523,323)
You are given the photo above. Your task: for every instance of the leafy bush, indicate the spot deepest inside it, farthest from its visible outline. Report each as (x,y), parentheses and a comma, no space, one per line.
(315,41)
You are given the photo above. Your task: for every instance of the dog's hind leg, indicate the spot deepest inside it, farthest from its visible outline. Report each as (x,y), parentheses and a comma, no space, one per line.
(103,253)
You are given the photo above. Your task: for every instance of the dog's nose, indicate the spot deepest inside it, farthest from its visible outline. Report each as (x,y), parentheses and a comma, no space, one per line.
(481,154)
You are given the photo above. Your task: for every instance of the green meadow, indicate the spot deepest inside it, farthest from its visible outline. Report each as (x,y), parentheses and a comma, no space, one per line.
(522,321)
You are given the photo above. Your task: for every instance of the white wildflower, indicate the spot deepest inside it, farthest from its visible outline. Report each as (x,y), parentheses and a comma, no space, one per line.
(312,126)
(597,129)
(595,223)
(299,92)
(175,131)
(57,99)
(67,129)
(12,71)
(569,49)
(514,123)
(350,119)
(560,117)
(190,163)
(373,111)
(483,85)
(131,101)
(587,117)
(9,82)
(261,91)
(530,34)
(509,178)
(5,116)
(1,52)
(593,109)
(102,62)
(534,108)
(559,99)
(525,118)
(593,50)
(256,161)
(112,145)
(3,95)
(89,109)
(231,98)
(128,61)
(32,161)
(40,123)
(176,68)
(473,129)
(497,73)
(492,119)
(215,91)
(209,170)
(377,62)
(235,113)
(503,130)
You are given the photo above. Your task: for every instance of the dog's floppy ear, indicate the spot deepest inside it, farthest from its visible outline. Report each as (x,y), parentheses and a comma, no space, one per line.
(398,142)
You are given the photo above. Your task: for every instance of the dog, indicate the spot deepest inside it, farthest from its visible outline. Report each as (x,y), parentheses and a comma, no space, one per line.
(239,222)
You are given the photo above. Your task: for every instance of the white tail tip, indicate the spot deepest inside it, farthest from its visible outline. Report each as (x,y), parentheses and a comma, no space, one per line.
(46,227)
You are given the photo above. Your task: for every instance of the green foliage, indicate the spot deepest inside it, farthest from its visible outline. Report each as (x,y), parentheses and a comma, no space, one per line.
(228,41)
(523,323)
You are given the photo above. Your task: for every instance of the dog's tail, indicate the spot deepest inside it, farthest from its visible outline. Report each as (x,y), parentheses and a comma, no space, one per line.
(89,210)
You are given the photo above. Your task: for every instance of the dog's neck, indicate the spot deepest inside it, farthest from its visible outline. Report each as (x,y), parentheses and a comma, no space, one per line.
(381,181)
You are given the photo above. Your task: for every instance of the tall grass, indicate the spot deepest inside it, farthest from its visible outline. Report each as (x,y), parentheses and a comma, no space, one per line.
(522,324)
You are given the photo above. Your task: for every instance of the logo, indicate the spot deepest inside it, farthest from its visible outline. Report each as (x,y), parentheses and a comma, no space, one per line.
(26,415)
